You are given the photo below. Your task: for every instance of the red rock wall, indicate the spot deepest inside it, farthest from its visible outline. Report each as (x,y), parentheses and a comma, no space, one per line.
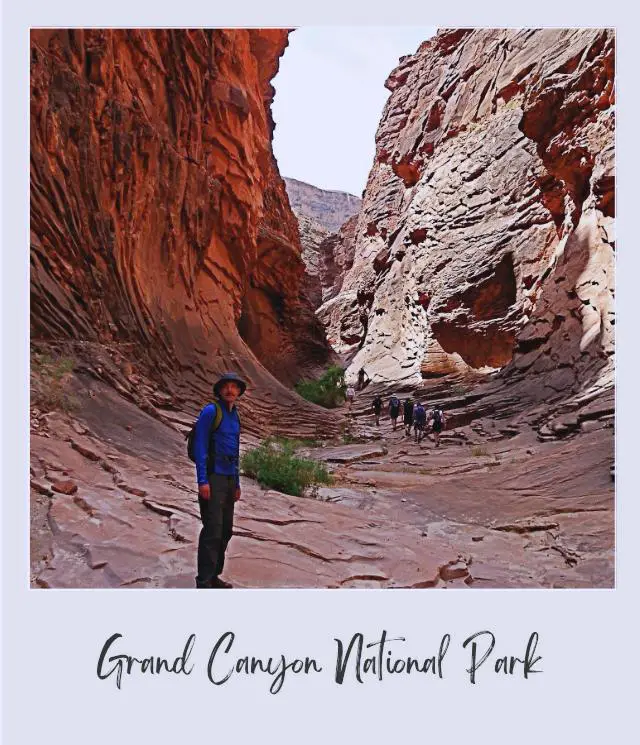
(158,217)
(486,231)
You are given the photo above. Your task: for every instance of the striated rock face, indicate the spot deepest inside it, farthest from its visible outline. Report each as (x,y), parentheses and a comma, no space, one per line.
(312,234)
(326,220)
(485,237)
(330,209)
(158,217)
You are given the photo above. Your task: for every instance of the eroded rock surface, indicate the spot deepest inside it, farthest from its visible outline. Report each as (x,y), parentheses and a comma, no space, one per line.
(326,221)
(159,221)
(494,506)
(485,237)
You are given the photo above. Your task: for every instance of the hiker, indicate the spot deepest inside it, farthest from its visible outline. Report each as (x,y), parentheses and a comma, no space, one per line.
(216,453)
(419,421)
(377,408)
(350,395)
(407,411)
(361,376)
(436,415)
(394,410)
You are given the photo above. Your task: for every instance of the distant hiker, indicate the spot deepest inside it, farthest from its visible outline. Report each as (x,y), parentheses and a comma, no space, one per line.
(377,408)
(436,415)
(216,451)
(394,410)
(361,376)
(407,411)
(419,421)
(350,395)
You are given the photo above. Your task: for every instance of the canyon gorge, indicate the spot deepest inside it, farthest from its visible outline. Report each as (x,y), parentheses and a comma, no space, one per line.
(476,271)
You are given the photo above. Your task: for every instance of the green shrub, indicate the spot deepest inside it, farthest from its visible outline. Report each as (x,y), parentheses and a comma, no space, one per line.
(295,444)
(328,391)
(49,377)
(274,464)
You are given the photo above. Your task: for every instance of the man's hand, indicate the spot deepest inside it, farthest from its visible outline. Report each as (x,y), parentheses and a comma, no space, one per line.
(204,491)
(237,497)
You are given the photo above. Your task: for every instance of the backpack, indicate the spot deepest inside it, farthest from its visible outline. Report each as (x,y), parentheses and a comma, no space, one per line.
(419,414)
(191,435)
(394,403)
(437,417)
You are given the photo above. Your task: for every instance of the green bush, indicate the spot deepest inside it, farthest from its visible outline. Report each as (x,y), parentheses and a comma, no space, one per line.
(274,464)
(296,444)
(328,391)
(48,377)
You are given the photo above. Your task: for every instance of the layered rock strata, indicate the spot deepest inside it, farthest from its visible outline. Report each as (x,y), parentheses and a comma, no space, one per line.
(312,235)
(330,209)
(485,238)
(159,223)
(326,222)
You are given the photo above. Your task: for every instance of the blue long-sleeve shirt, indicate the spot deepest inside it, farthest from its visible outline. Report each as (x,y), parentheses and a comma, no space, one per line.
(225,443)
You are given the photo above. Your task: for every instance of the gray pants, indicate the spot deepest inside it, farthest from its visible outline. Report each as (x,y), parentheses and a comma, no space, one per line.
(216,514)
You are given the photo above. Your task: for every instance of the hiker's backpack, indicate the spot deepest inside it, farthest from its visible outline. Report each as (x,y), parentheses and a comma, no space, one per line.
(394,403)
(437,417)
(191,435)
(419,414)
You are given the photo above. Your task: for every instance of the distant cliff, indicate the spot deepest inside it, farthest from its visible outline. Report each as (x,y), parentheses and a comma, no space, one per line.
(330,209)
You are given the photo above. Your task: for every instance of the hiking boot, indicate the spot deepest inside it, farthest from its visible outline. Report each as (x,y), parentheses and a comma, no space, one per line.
(220,584)
(213,584)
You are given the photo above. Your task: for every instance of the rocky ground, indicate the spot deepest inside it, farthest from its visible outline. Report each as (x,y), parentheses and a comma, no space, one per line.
(521,501)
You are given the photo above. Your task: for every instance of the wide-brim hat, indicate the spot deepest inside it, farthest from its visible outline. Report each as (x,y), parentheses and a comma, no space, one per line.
(229,377)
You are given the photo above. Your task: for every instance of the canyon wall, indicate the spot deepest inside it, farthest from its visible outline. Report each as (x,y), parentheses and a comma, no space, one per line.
(485,238)
(160,226)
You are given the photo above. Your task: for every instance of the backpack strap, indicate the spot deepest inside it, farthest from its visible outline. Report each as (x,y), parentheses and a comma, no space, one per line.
(217,419)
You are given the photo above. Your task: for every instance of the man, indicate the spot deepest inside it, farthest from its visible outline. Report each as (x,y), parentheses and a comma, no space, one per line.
(350,395)
(361,376)
(436,415)
(394,410)
(419,421)
(217,452)
(407,411)
(377,408)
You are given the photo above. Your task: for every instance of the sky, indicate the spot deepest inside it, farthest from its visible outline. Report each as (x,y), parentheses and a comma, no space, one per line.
(329,99)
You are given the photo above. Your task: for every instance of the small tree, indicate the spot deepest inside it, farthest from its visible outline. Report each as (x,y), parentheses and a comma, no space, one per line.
(328,391)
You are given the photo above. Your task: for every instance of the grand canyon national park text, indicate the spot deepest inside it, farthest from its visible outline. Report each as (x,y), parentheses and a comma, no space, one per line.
(357,659)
